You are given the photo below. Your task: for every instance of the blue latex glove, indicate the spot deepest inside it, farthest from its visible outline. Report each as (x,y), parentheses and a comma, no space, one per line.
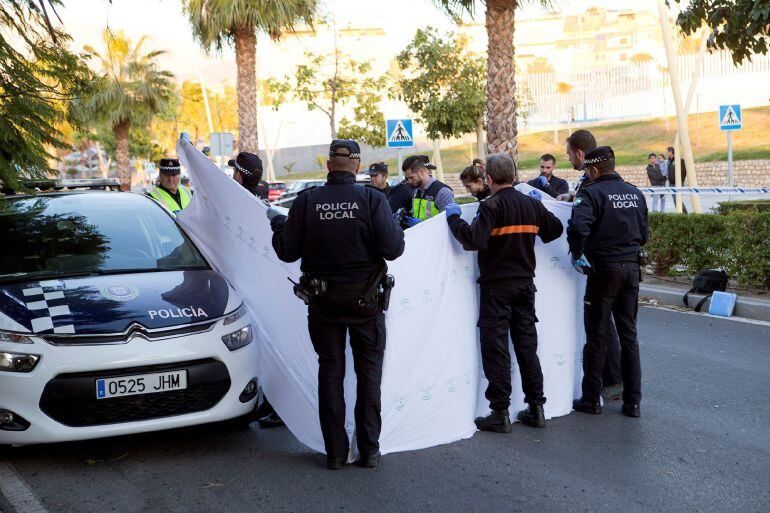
(453,209)
(273,212)
(581,264)
(534,193)
(543,181)
(412,221)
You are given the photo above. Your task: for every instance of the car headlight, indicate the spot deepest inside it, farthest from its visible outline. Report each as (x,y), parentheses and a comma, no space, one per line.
(18,338)
(237,314)
(18,362)
(238,339)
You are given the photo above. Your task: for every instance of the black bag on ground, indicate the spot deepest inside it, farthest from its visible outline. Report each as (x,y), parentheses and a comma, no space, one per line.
(706,282)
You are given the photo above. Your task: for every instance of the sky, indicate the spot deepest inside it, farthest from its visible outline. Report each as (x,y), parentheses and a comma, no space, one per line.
(169,30)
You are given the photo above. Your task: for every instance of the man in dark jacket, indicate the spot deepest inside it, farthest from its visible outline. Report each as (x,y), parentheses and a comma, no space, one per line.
(503,232)
(547,181)
(607,228)
(657,179)
(343,233)
(672,170)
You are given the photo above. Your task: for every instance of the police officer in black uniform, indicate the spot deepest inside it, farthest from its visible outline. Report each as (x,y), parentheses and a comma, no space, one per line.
(503,232)
(605,234)
(378,173)
(343,232)
(247,171)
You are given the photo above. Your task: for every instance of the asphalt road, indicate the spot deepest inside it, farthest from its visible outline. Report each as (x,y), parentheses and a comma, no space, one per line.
(702,445)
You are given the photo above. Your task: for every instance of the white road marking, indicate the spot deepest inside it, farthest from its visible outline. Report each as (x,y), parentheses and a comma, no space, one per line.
(17,492)
(701,314)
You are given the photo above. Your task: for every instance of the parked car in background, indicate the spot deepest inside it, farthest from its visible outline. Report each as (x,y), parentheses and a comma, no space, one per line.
(275,191)
(298,186)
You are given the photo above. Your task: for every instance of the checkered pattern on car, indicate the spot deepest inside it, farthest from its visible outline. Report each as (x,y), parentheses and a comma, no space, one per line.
(47,301)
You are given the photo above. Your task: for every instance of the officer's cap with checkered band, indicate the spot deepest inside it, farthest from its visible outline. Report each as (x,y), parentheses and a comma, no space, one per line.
(600,154)
(354,150)
(170,166)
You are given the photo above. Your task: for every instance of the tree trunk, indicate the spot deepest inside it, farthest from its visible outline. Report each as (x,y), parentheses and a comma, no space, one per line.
(121,155)
(480,149)
(437,159)
(501,86)
(246,62)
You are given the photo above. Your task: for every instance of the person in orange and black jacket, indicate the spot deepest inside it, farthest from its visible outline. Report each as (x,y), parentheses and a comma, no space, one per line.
(504,232)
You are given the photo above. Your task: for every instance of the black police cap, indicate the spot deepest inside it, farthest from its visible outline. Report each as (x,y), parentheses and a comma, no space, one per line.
(247,163)
(600,154)
(354,151)
(170,166)
(377,168)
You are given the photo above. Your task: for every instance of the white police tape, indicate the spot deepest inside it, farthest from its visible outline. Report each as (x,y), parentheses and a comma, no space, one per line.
(704,190)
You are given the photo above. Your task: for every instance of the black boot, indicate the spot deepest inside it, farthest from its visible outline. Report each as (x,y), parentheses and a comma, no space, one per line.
(585,406)
(631,410)
(497,421)
(335,463)
(271,421)
(532,416)
(370,461)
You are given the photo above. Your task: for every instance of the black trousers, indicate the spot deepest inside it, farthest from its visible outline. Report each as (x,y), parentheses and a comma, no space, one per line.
(611,375)
(503,310)
(612,289)
(328,322)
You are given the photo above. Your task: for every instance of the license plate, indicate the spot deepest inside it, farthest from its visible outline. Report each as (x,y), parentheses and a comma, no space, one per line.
(141,384)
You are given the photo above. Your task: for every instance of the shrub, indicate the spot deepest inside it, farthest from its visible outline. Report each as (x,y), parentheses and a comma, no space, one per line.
(725,207)
(738,241)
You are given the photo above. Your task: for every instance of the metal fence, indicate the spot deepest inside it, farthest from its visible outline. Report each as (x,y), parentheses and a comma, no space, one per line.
(636,91)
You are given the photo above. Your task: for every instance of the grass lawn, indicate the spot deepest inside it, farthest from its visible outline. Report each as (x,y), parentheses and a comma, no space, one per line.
(632,142)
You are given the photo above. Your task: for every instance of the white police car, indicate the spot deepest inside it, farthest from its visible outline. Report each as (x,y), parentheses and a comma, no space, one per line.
(112,322)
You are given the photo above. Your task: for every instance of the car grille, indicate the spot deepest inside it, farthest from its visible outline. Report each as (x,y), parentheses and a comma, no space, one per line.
(122,338)
(71,398)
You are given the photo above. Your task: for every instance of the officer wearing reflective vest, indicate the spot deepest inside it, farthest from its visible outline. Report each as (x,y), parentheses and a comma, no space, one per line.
(431,196)
(343,233)
(605,233)
(170,192)
(504,232)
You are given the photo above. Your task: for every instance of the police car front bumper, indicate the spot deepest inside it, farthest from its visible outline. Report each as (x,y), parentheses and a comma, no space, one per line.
(56,401)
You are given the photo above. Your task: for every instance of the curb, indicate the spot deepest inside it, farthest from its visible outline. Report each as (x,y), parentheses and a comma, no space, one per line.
(757,309)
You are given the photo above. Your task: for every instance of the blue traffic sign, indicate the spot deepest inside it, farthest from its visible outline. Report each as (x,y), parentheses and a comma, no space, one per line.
(399,133)
(730,117)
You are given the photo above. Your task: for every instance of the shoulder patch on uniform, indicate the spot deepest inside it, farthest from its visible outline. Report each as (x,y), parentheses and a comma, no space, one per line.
(578,201)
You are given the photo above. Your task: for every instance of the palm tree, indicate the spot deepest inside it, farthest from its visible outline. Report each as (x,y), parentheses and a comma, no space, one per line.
(501,85)
(130,92)
(216,22)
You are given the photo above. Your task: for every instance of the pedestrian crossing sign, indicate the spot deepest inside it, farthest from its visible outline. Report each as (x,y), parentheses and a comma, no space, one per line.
(398,133)
(730,117)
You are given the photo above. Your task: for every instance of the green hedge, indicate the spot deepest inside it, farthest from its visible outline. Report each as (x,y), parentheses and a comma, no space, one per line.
(738,241)
(726,207)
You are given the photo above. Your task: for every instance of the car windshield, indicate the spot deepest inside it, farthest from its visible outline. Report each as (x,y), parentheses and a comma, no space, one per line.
(275,186)
(90,233)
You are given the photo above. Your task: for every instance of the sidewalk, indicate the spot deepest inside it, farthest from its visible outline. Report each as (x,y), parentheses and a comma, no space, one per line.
(752,305)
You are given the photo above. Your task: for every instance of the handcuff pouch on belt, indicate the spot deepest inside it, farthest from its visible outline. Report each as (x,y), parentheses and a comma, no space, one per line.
(309,289)
(378,289)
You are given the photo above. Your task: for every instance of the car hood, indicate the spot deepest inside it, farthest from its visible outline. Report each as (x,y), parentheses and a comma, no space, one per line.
(110,304)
